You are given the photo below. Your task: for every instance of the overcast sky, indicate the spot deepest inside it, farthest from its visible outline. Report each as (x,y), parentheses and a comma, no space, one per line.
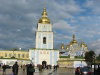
(19,18)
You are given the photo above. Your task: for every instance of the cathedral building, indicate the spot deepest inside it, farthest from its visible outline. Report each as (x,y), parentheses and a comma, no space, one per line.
(72,54)
(43,51)
(74,48)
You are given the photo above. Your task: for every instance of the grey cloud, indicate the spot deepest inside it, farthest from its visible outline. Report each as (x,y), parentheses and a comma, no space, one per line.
(95,45)
(94,6)
(18,20)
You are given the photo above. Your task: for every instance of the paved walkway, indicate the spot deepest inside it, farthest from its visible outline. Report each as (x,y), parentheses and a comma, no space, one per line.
(60,71)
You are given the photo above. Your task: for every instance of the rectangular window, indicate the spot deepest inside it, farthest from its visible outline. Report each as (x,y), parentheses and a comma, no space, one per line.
(5,54)
(18,55)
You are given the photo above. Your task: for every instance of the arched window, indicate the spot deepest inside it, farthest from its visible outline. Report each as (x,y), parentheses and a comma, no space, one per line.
(18,55)
(44,40)
(15,55)
(23,56)
(10,55)
(5,54)
(27,55)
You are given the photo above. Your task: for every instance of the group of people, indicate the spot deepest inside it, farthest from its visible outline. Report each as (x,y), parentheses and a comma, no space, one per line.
(29,69)
(77,71)
(56,67)
(14,69)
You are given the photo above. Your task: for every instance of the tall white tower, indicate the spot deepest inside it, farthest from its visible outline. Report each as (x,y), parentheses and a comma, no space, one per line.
(44,34)
(44,53)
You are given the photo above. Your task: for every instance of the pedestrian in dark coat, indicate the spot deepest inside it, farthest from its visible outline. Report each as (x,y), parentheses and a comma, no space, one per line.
(15,69)
(31,69)
(4,68)
(27,68)
(54,67)
(24,67)
(0,65)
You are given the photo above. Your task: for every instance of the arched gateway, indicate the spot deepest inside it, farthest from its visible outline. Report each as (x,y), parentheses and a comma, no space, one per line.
(44,64)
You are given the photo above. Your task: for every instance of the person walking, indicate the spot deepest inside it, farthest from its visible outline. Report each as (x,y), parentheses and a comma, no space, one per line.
(24,67)
(15,69)
(56,67)
(27,68)
(0,65)
(4,69)
(31,70)
(77,71)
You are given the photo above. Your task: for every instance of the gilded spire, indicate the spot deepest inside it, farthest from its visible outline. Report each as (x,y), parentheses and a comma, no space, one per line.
(73,37)
(73,40)
(62,46)
(44,13)
(44,19)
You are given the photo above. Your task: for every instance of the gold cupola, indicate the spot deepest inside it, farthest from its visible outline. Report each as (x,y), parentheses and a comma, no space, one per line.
(62,46)
(73,40)
(44,19)
(83,43)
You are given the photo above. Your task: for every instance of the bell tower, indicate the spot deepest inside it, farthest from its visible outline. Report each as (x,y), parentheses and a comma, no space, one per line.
(44,33)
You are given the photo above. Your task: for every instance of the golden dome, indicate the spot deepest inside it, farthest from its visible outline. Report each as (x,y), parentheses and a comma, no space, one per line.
(44,19)
(73,40)
(67,46)
(62,46)
(83,44)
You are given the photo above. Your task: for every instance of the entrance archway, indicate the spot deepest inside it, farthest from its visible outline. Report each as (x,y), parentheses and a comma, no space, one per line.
(44,64)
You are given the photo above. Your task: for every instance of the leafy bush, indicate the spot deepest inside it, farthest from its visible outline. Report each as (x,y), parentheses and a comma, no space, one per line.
(81,57)
(64,56)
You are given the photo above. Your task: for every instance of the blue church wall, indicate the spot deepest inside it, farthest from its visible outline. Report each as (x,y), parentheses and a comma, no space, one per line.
(44,45)
(37,57)
(50,57)
(39,46)
(55,58)
(33,55)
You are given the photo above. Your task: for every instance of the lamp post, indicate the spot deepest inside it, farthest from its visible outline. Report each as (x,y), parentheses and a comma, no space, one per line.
(13,54)
(81,60)
(94,64)
(32,60)
(81,63)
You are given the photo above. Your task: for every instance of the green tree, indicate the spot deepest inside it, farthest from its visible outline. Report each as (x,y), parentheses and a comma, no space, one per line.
(89,57)
(14,49)
(98,57)
(13,57)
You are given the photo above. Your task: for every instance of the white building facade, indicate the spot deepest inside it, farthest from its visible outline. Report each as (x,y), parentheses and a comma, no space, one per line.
(43,50)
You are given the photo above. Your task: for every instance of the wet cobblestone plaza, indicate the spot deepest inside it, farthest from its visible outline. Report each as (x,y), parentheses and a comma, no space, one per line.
(60,71)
